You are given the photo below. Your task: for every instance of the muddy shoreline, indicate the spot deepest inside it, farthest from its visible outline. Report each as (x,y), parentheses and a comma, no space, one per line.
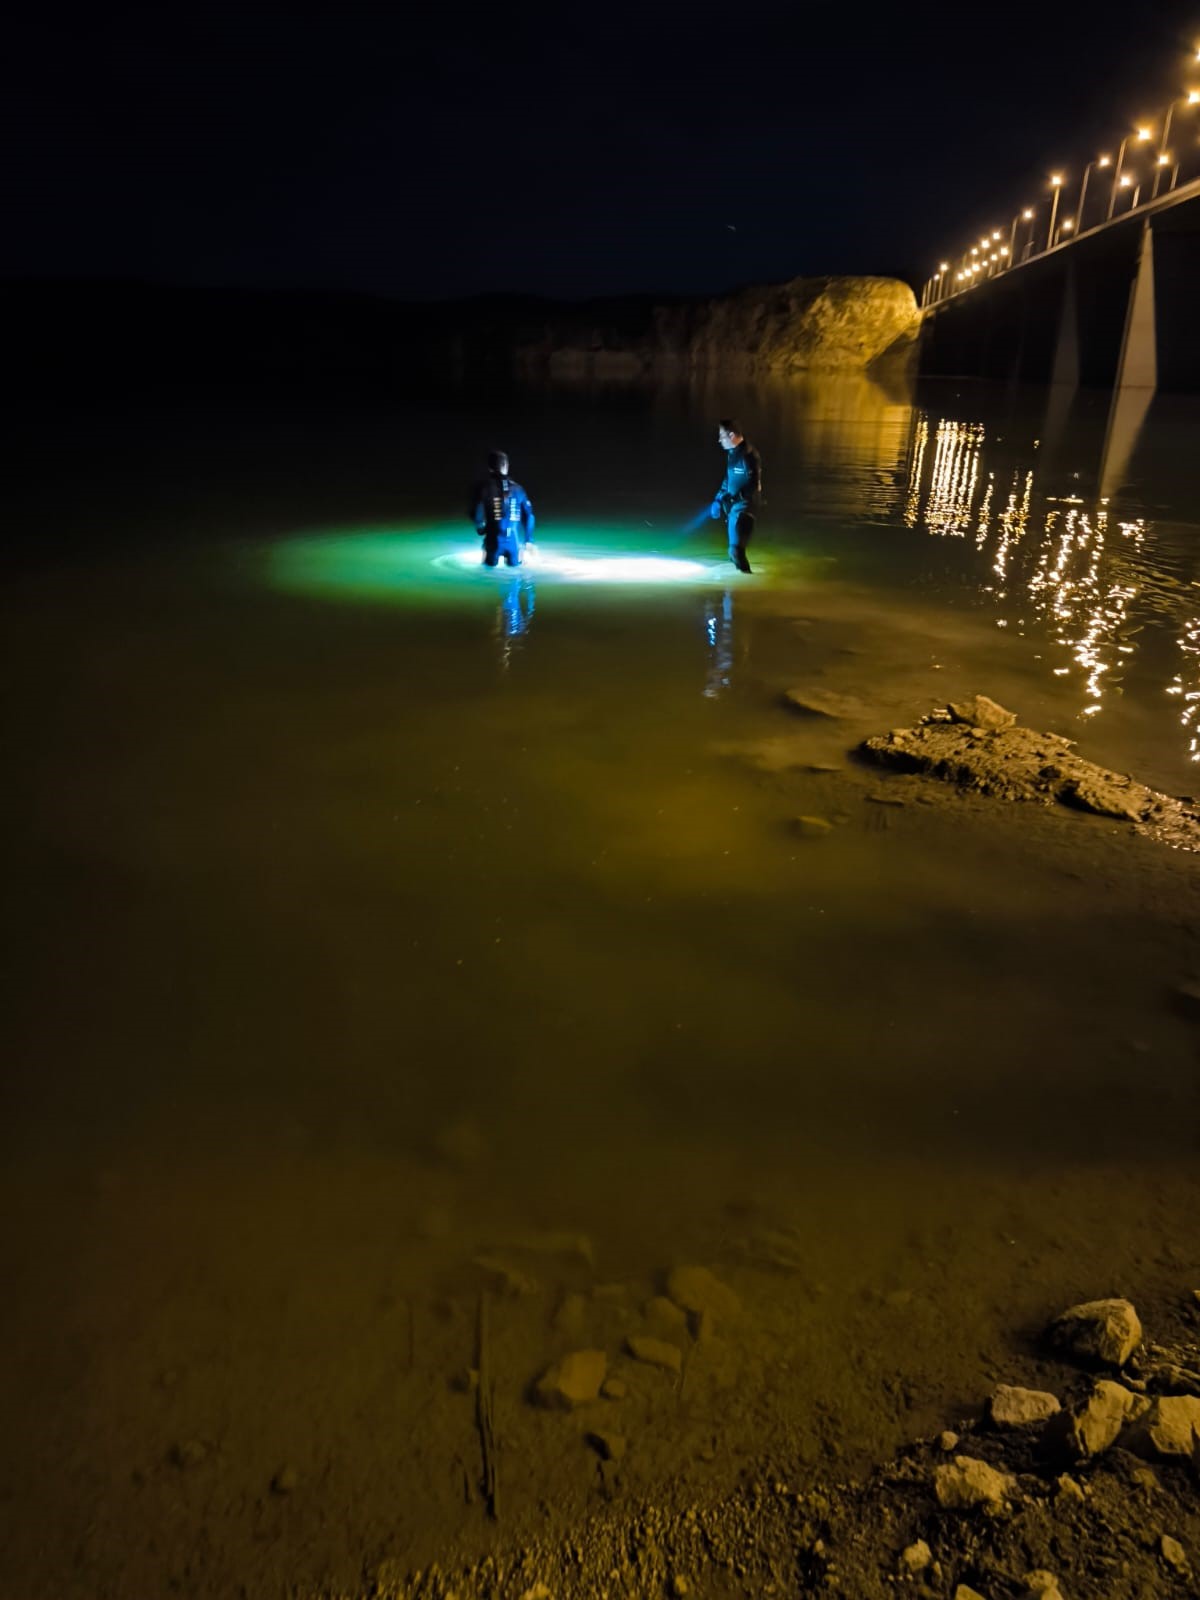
(250,1325)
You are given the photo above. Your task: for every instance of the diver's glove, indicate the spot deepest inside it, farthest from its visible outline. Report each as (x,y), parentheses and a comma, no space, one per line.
(717,510)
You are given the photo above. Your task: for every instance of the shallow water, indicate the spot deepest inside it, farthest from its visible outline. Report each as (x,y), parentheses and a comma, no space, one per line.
(369,911)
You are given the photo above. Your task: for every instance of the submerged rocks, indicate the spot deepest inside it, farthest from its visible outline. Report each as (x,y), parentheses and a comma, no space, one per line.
(1106,1331)
(608,1446)
(697,1289)
(811,827)
(824,703)
(573,1381)
(655,1352)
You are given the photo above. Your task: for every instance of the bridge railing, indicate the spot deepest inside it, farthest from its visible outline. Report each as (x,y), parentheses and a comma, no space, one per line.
(1152,161)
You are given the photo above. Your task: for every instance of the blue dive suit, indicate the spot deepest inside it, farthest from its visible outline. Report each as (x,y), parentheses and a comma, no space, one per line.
(504,519)
(737,499)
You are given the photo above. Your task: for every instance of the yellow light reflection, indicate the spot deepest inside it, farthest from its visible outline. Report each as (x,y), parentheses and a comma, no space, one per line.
(952,485)
(1065,567)
(1186,685)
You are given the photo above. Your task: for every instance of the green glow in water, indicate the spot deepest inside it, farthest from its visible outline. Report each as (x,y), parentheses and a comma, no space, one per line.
(441,564)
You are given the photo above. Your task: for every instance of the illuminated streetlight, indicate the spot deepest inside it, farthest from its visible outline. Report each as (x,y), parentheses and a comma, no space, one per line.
(1056,185)
(1024,216)
(1142,134)
(1190,99)
(1100,161)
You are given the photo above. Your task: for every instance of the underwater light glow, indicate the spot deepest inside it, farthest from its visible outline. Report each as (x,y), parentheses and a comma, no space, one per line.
(432,566)
(592,568)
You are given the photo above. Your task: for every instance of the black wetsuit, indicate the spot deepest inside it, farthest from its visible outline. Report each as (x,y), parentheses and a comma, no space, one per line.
(737,499)
(504,519)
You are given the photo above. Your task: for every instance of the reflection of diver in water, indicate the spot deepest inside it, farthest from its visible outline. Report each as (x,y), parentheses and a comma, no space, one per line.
(718,631)
(514,616)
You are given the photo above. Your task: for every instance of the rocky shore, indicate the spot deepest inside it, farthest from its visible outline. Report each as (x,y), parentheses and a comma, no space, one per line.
(975,745)
(1085,1489)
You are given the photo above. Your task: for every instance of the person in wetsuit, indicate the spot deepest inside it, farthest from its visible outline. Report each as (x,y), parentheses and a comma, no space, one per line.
(503,514)
(737,498)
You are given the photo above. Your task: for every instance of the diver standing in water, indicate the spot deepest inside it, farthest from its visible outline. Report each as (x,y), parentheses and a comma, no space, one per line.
(737,498)
(503,515)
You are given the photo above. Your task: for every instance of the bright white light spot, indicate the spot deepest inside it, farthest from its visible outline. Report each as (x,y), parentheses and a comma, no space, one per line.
(592,568)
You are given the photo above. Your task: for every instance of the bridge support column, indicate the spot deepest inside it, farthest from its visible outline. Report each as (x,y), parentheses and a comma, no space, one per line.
(1065,371)
(1137,373)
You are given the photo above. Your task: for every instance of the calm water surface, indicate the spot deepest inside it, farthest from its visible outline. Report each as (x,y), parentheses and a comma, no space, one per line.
(370,913)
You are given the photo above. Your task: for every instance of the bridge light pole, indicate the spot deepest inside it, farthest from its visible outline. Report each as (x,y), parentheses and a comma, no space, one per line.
(1056,185)
(1143,134)
(1100,161)
(1022,216)
(1192,98)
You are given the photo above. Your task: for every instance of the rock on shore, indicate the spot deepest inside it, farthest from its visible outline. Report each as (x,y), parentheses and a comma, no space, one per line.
(974,745)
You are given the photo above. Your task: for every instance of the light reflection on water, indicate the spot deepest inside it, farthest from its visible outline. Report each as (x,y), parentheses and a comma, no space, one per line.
(1089,575)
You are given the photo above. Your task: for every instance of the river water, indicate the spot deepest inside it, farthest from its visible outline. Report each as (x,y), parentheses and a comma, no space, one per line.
(381,928)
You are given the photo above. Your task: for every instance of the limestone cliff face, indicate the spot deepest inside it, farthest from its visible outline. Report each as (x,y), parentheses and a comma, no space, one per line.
(833,323)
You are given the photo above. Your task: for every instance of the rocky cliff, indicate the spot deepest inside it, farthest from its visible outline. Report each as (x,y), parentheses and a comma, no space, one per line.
(832,323)
(150,337)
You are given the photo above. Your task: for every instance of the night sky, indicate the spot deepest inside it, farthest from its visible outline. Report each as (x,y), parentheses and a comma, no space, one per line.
(572,151)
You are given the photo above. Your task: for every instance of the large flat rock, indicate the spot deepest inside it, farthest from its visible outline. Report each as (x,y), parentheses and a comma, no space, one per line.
(1013,763)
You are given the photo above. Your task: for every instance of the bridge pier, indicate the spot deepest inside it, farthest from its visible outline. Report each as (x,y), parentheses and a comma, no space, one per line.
(1065,372)
(1117,308)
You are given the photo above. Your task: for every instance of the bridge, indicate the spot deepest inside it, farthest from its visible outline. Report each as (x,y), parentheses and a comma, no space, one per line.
(1096,287)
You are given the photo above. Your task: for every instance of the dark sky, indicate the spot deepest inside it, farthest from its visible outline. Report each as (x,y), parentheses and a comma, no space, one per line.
(574,150)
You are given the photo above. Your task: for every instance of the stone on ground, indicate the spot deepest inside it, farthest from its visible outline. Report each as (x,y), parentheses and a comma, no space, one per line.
(1013,1407)
(980,712)
(698,1290)
(664,1319)
(1098,1330)
(1042,1585)
(1093,1428)
(608,1446)
(1173,1552)
(917,1557)
(1169,1429)
(967,1484)
(573,1381)
(655,1352)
